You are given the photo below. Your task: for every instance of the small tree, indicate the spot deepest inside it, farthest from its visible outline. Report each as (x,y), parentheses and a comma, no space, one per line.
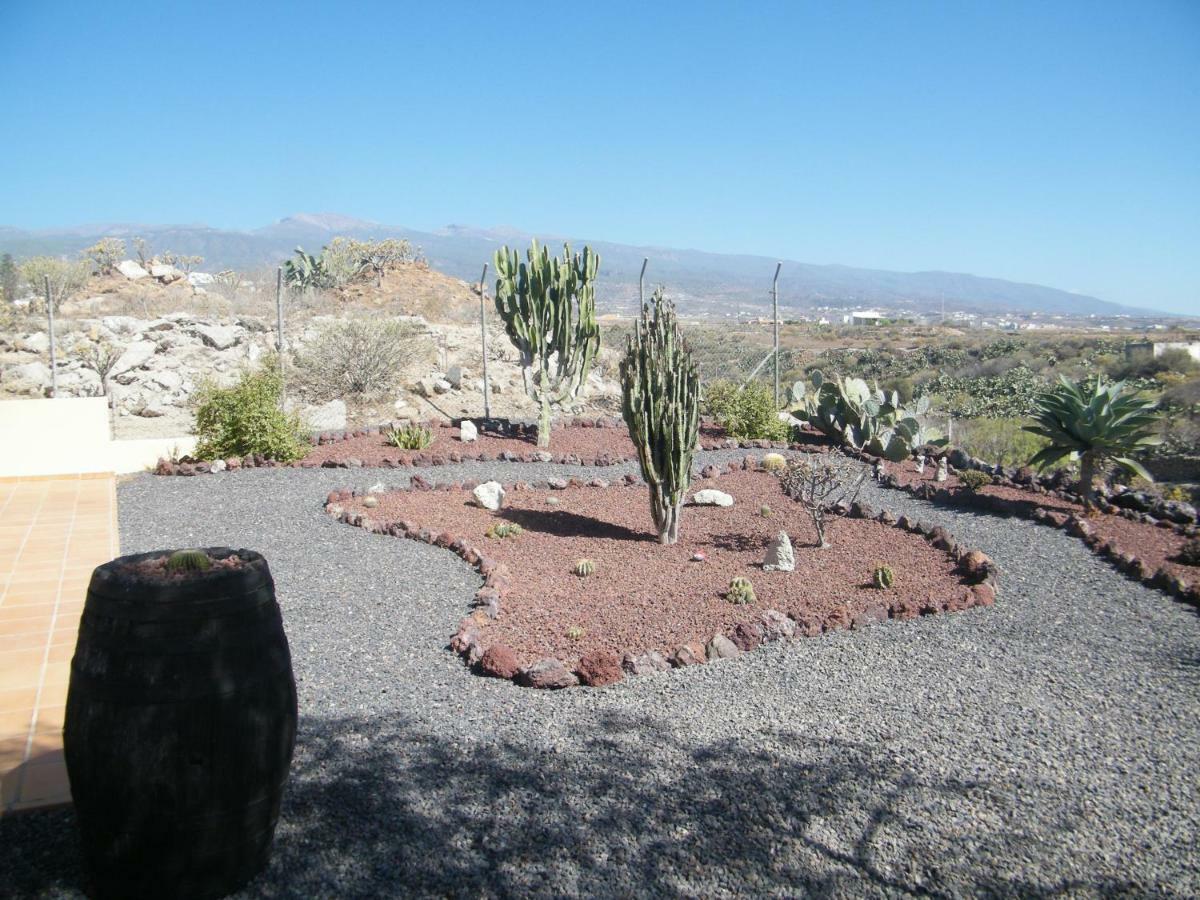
(660,401)
(380,256)
(820,484)
(342,261)
(548,306)
(67,277)
(1093,426)
(142,249)
(105,254)
(101,358)
(180,261)
(8,279)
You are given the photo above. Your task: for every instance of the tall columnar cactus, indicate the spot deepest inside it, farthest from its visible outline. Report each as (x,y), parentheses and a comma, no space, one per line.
(660,399)
(548,305)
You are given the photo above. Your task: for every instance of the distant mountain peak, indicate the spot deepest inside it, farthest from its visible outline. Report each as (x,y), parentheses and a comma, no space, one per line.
(331,222)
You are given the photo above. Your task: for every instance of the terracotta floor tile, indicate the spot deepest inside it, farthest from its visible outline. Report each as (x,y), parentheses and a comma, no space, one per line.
(43,744)
(31,640)
(19,698)
(12,751)
(16,619)
(56,673)
(15,723)
(49,718)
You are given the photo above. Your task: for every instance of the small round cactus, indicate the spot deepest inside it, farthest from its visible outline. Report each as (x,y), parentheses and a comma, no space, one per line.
(576,633)
(741,591)
(504,530)
(764,511)
(583,567)
(774,462)
(370,502)
(188,561)
(884,577)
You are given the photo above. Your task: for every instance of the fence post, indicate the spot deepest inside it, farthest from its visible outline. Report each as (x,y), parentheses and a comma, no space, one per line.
(775,317)
(487,390)
(642,285)
(53,350)
(279,342)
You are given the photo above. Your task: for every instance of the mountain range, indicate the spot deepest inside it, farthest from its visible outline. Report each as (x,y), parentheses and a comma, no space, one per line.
(701,282)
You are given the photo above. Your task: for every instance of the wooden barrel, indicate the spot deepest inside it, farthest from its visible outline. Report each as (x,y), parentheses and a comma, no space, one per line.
(180,725)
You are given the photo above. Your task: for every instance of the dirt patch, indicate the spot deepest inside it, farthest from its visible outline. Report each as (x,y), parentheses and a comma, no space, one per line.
(643,596)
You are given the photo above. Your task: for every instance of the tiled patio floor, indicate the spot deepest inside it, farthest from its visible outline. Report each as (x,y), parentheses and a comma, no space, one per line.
(53,532)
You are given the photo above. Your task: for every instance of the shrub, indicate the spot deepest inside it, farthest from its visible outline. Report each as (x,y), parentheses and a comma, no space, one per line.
(1189,553)
(67,278)
(973,479)
(409,437)
(1001,441)
(356,356)
(746,413)
(105,254)
(246,419)
(820,485)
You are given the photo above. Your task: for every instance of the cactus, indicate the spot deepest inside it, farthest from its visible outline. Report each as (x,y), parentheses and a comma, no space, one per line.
(583,568)
(741,591)
(774,462)
(548,305)
(576,633)
(660,401)
(501,530)
(188,561)
(409,437)
(764,511)
(862,417)
(884,577)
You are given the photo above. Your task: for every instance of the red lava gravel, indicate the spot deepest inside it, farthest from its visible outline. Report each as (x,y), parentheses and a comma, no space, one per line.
(645,596)
(1157,547)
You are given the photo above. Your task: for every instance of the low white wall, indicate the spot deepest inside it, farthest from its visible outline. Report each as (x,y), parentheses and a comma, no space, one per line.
(67,436)
(71,436)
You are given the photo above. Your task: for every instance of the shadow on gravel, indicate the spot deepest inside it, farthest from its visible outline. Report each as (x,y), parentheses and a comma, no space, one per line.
(379,808)
(562,523)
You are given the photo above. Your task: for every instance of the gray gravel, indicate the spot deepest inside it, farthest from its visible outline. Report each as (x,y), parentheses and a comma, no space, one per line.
(1048,745)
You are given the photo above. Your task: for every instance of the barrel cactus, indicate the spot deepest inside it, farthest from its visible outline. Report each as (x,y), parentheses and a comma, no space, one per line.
(741,591)
(660,401)
(548,306)
(576,633)
(884,577)
(774,462)
(188,561)
(583,568)
(502,530)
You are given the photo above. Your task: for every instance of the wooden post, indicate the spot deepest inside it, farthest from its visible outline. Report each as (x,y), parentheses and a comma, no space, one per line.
(279,342)
(775,316)
(642,285)
(487,390)
(53,350)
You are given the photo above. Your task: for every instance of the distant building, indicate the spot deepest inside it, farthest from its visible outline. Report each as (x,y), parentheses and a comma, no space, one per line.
(864,317)
(1153,349)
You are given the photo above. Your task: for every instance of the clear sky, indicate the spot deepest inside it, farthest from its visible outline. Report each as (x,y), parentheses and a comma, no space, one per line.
(1053,142)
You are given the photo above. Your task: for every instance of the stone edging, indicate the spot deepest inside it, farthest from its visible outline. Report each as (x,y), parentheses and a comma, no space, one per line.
(1073,524)
(978,572)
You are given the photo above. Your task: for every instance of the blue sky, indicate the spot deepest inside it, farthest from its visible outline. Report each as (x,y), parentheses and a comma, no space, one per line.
(1057,142)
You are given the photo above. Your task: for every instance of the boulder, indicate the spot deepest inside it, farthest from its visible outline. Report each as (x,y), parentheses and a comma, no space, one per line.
(467,431)
(780,556)
(135,356)
(721,647)
(36,374)
(131,270)
(645,663)
(219,337)
(975,565)
(167,380)
(330,416)
(499,662)
(598,668)
(688,655)
(38,342)
(777,627)
(441,386)
(547,674)
(196,279)
(152,411)
(454,377)
(166,274)
(712,497)
(489,495)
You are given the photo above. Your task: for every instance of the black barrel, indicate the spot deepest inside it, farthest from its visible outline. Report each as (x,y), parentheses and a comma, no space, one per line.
(180,725)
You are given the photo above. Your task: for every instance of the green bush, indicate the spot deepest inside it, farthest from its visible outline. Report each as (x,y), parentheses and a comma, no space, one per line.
(409,437)
(246,419)
(998,440)
(973,479)
(746,413)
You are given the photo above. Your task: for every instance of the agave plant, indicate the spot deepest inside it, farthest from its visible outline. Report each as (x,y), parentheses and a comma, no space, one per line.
(863,417)
(1093,426)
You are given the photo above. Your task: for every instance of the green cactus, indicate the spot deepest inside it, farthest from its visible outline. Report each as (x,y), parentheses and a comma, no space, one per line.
(884,577)
(862,417)
(576,633)
(741,591)
(660,400)
(548,306)
(501,530)
(583,568)
(409,437)
(188,561)
(764,511)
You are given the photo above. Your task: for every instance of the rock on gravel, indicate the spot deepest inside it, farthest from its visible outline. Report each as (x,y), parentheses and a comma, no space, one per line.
(489,495)
(712,497)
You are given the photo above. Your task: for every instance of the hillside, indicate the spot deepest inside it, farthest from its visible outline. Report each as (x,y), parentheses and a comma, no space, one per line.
(704,282)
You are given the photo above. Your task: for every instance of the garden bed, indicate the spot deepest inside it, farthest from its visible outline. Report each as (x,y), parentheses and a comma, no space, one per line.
(648,605)
(1143,547)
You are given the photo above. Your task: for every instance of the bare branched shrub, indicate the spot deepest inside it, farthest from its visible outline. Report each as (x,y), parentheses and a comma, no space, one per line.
(820,484)
(101,358)
(358,357)
(67,278)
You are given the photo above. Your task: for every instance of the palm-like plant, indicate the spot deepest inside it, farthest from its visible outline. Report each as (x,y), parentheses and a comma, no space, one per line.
(1103,424)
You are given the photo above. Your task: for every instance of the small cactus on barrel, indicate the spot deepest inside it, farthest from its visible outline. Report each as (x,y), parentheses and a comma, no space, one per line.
(188,561)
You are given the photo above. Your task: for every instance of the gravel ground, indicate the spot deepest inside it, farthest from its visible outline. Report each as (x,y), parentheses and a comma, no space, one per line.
(1048,745)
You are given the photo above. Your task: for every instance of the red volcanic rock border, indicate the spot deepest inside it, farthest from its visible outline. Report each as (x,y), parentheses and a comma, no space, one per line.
(363,447)
(1157,539)
(604,666)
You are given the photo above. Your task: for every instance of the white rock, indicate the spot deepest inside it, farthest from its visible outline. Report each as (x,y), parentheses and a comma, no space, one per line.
(442,386)
(135,356)
(152,411)
(38,342)
(218,465)
(121,324)
(467,431)
(131,270)
(167,380)
(34,373)
(711,497)
(219,337)
(166,274)
(489,495)
(328,417)
(780,556)
(254,353)
(195,279)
